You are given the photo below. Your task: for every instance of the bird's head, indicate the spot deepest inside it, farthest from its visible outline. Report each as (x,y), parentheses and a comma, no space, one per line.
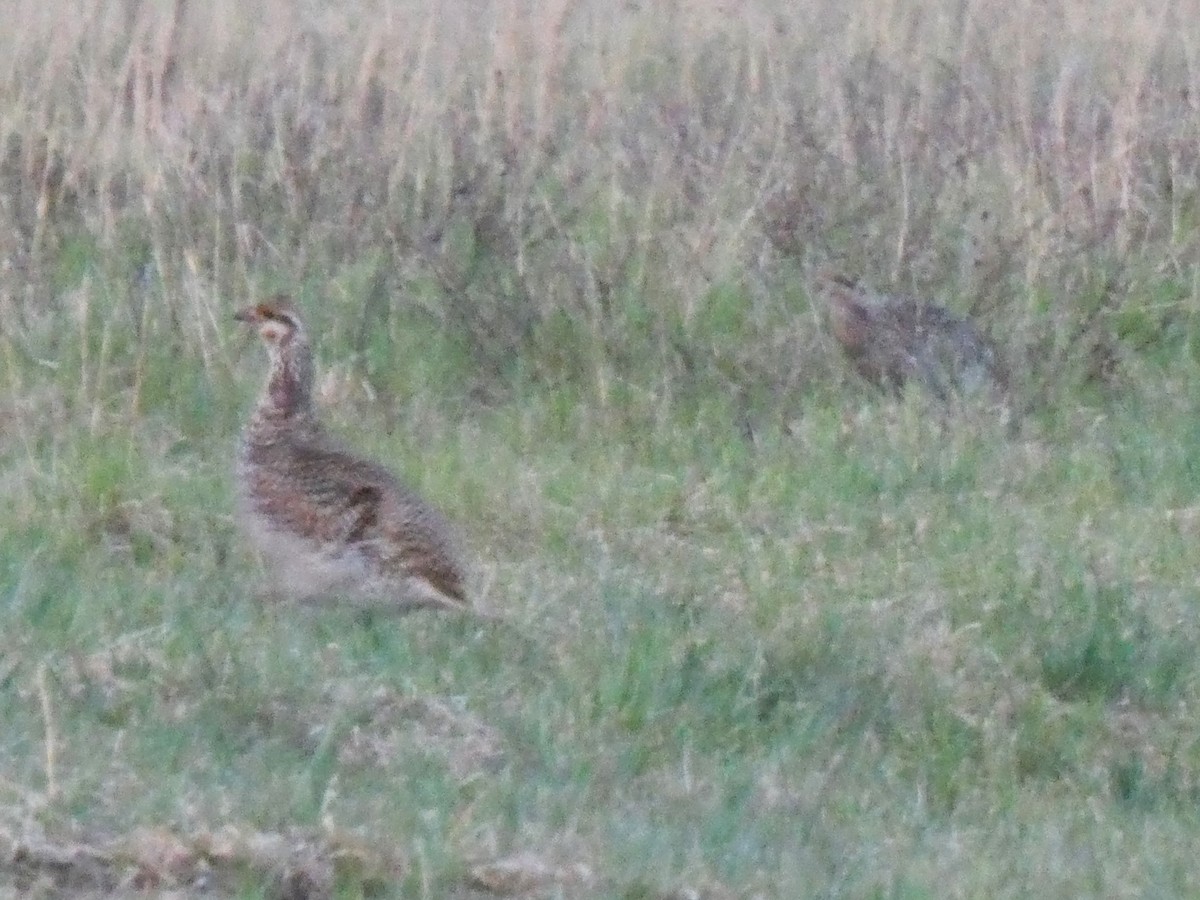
(277,321)
(289,385)
(849,314)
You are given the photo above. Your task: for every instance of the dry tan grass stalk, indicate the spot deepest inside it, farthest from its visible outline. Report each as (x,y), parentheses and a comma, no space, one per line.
(49,733)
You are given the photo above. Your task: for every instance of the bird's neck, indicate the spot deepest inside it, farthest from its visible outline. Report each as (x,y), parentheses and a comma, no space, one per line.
(288,394)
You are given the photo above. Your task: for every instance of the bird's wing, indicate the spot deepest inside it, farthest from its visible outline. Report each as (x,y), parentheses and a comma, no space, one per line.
(421,547)
(386,519)
(362,511)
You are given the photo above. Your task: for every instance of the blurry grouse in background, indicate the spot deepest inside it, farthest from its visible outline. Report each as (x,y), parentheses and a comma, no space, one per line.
(894,340)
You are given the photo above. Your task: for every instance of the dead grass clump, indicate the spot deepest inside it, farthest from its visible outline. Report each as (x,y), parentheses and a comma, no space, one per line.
(292,865)
(396,724)
(527,873)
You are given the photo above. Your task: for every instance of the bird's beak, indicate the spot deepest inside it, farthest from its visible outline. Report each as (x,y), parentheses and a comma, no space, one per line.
(249,314)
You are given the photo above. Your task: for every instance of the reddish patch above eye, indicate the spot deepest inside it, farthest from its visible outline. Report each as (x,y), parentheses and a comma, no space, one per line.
(275,311)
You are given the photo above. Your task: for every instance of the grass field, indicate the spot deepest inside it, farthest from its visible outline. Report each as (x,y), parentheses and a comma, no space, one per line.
(764,631)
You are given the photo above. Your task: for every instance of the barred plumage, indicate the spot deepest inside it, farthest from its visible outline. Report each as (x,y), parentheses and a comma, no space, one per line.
(330,524)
